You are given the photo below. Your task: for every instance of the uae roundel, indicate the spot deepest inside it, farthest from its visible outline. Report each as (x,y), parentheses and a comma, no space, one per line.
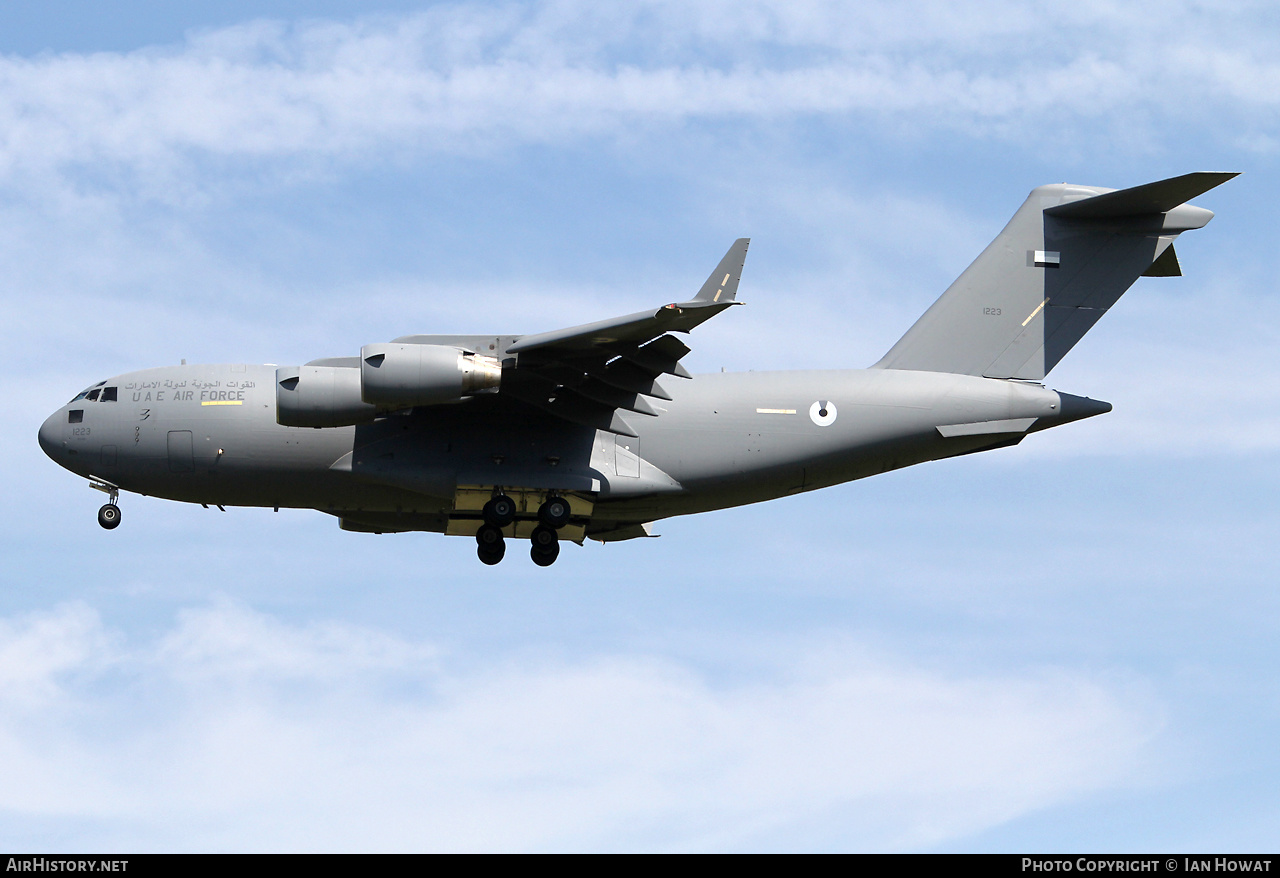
(823,413)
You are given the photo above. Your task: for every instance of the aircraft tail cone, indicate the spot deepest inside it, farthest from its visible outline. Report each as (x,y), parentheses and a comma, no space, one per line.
(1072,408)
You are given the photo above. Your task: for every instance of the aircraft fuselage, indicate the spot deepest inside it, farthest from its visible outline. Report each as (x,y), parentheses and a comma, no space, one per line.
(208,434)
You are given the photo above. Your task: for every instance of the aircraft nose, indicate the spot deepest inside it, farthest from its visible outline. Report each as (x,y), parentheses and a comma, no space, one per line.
(49,441)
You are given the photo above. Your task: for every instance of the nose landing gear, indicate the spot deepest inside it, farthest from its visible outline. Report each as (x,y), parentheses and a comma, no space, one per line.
(108,515)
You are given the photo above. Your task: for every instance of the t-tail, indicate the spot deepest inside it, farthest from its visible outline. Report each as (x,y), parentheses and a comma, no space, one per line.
(1068,255)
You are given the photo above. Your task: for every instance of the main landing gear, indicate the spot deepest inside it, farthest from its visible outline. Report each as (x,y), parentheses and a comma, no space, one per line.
(490,545)
(554,513)
(544,541)
(108,515)
(544,546)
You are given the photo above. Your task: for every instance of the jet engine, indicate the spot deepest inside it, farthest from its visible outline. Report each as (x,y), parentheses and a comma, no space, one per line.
(402,375)
(320,396)
(389,377)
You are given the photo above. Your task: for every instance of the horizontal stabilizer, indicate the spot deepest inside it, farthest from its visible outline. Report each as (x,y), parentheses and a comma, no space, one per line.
(1150,198)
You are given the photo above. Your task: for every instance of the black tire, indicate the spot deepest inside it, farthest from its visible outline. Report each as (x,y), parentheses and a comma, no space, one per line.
(544,539)
(554,513)
(500,511)
(492,554)
(545,557)
(109,516)
(488,537)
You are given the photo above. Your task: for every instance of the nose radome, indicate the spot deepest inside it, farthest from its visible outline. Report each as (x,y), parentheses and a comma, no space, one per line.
(49,434)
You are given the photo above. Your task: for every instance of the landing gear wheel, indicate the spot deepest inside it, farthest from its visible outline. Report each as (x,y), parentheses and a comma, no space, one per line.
(109,516)
(544,546)
(554,513)
(490,545)
(545,557)
(543,538)
(500,511)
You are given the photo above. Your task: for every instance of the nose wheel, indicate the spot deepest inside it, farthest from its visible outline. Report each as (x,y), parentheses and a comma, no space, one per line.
(109,516)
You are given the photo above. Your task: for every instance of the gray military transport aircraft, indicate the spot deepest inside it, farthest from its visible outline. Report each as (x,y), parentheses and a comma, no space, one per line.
(569,434)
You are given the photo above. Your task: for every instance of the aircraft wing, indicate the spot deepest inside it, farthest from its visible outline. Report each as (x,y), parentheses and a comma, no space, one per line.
(586,374)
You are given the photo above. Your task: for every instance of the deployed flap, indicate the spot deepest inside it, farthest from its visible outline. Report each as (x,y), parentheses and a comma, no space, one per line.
(563,402)
(1064,259)
(584,373)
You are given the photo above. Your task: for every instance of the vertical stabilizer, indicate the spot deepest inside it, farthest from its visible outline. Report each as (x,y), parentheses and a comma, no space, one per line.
(1064,259)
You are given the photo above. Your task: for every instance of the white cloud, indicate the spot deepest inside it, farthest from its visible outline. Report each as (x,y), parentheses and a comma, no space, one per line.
(465,77)
(38,650)
(229,642)
(235,730)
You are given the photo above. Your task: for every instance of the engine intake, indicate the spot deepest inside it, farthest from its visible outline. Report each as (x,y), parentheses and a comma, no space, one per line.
(403,375)
(320,396)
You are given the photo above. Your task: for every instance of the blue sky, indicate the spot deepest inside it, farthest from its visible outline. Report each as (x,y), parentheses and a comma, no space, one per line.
(1068,645)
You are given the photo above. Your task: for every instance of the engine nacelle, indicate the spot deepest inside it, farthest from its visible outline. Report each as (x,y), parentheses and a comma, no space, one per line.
(402,375)
(320,396)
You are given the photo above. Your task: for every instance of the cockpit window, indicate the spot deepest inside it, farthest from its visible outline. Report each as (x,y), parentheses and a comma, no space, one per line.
(85,393)
(93,395)
(108,394)
(75,416)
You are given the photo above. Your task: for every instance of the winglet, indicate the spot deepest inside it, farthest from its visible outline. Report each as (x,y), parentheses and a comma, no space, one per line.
(722,285)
